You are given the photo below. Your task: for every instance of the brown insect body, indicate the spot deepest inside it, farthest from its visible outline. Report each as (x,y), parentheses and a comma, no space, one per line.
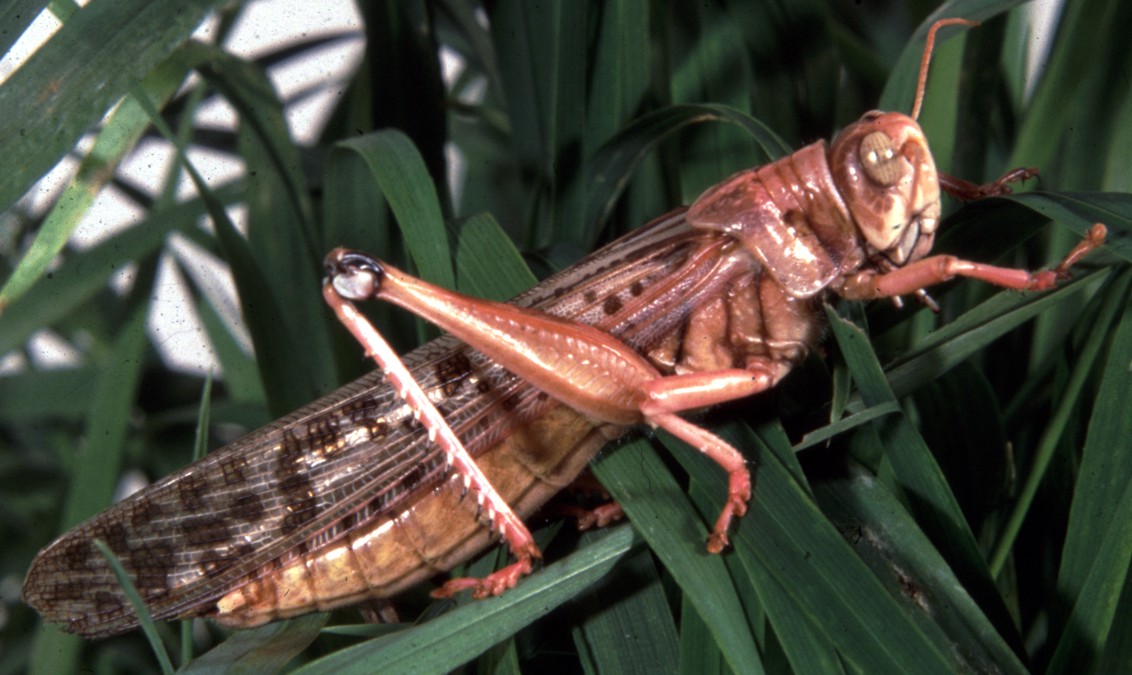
(341,501)
(739,292)
(269,503)
(724,307)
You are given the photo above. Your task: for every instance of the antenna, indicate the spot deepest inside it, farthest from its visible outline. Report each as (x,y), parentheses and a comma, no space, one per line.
(927,58)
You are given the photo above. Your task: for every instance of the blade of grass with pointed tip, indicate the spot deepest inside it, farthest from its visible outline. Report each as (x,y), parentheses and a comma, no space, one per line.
(399,171)
(447,641)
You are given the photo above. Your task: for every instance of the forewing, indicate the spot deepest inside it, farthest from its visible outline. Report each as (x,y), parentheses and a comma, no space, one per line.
(271,495)
(305,480)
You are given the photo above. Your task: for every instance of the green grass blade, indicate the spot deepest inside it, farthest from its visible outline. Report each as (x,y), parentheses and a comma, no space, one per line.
(624,622)
(487,264)
(70,82)
(615,162)
(661,513)
(264,649)
(449,640)
(117,137)
(108,423)
(786,540)
(131,592)
(1069,400)
(397,168)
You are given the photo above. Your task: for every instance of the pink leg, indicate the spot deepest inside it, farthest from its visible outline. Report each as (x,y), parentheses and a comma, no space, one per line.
(939,268)
(739,478)
(968,191)
(609,511)
(668,395)
(502,518)
(580,365)
(599,516)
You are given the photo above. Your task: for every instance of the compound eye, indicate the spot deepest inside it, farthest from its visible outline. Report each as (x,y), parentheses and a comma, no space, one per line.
(879,159)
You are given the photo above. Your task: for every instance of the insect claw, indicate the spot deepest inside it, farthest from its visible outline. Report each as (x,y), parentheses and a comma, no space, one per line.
(718,542)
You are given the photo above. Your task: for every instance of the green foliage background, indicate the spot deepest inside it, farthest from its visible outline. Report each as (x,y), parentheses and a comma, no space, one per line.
(963,499)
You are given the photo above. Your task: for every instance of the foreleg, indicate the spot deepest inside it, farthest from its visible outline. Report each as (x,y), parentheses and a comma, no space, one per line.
(939,268)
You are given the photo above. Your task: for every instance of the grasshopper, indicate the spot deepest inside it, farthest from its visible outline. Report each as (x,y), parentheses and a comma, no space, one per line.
(380,485)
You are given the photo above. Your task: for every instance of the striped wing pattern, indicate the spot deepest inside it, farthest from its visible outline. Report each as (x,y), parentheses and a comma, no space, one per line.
(299,483)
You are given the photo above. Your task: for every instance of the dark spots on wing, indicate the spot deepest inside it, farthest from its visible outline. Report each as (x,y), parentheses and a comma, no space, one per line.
(414,476)
(378,429)
(116,538)
(322,436)
(612,305)
(144,512)
(222,559)
(76,554)
(483,386)
(290,455)
(636,289)
(410,424)
(216,561)
(233,469)
(300,503)
(590,297)
(509,403)
(295,485)
(202,530)
(542,396)
(69,590)
(452,372)
(151,565)
(245,506)
(360,411)
(190,490)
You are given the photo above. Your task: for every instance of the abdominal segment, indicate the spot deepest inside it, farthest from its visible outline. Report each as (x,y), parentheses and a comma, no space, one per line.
(438,529)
